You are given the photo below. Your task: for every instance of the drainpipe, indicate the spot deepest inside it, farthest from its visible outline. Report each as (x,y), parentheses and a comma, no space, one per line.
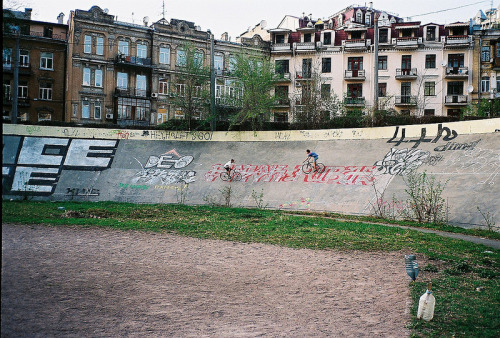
(479,71)
(375,68)
(15,84)
(213,124)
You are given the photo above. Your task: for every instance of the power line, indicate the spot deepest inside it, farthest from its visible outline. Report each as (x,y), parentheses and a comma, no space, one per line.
(450,9)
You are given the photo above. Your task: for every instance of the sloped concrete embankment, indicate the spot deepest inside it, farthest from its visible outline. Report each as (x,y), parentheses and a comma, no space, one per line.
(55,163)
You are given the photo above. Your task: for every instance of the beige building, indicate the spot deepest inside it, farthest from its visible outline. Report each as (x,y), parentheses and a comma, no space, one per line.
(422,69)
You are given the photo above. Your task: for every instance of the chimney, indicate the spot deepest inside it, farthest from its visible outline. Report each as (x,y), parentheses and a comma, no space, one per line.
(370,5)
(224,36)
(60,18)
(27,13)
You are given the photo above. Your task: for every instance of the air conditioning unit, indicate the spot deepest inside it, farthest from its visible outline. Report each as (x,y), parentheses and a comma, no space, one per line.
(109,116)
(154,95)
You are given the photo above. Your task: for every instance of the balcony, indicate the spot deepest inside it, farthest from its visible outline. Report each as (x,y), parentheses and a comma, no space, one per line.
(133,61)
(407,42)
(281,48)
(24,69)
(457,72)
(354,101)
(405,101)
(406,74)
(356,44)
(456,40)
(132,92)
(281,102)
(456,100)
(304,46)
(282,77)
(354,75)
(303,75)
(21,102)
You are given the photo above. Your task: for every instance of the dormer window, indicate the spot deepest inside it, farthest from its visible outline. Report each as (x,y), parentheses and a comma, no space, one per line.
(280,38)
(367,19)
(359,16)
(307,37)
(431,33)
(406,33)
(383,35)
(328,38)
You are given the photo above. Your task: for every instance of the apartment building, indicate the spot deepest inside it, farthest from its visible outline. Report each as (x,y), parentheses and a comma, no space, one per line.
(41,67)
(130,74)
(422,69)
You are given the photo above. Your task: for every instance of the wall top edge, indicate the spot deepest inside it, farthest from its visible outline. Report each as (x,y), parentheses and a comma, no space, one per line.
(410,131)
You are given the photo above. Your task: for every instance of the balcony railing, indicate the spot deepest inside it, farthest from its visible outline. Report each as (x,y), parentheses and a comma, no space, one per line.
(281,47)
(354,74)
(403,73)
(303,75)
(282,101)
(132,92)
(407,42)
(282,77)
(406,100)
(456,40)
(458,100)
(21,101)
(356,43)
(354,101)
(133,60)
(304,46)
(457,71)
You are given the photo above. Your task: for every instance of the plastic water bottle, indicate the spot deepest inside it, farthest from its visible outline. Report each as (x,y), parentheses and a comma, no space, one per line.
(426,305)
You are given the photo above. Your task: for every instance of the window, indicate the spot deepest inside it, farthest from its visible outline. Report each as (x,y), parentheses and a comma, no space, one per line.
(359,17)
(140,85)
(44,116)
(430,61)
(485,84)
(98,78)
(123,47)
(498,50)
(307,37)
(100,46)
(306,68)
(124,112)
(7,57)
(281,117)
(47,32)
(47,61)
(218,62)
(456,60)
(431,33)
(326,65)
(405,89)
(6,90)
(181,58)
(429,112)
(367,19)
(22,91)
(24,58)
(354,90)
(140,113)
(45,91)
(165,55)
(74,109)
(430,89)
(498,83)
(163,86)
(97,110)
(122,80)
(325,91)
(181,89)
(383,35)
(86,76)
(327,38)
(406,62)
(232,63)
(85,109)
(280,38)
(198,59)
(455,88)
(87,45)
(382,62)
(382,89)
(355,63)
(485,53)
(282,66)
(142,51)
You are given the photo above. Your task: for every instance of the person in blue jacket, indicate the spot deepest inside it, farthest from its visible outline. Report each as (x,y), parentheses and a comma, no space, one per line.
(313,155)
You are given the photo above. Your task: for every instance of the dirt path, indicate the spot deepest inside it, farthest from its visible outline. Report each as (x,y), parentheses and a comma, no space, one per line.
(99,282)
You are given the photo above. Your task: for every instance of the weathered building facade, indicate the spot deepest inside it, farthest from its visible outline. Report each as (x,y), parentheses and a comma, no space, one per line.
(41,67)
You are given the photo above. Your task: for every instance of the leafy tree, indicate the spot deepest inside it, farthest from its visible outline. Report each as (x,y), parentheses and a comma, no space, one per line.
(485,108)
(255,78)
(192,84)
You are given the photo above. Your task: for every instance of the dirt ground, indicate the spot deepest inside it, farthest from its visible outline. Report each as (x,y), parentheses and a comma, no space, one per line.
(69,281)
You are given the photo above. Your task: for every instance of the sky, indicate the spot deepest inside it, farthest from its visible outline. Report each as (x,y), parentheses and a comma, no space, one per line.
(235,16)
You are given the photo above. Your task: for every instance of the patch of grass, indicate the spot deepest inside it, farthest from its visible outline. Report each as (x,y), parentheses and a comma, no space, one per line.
(457,269)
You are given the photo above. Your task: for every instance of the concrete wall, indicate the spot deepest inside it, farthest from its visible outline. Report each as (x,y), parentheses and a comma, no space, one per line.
(145,166)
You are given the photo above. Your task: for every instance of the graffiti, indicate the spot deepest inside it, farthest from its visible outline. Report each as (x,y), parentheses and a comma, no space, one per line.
(171,187)
(402,161)
(332,133)
(476,161)
(356,133)
(433,160)
(303,203)
(34,164)
(305,134)
(82,192)
(181,135)
(282,135)
(160,170)
(33,129)
(423,138)
(132,186)
(344,175)
(457,146)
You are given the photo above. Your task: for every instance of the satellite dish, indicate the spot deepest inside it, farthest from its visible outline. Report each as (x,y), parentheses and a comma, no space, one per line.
(263,24)
(106,10)
(470,89)
(443,63)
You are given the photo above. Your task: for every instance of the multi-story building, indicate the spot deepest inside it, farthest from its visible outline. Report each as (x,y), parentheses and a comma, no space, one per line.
(422,69)
(41,67)
(130,74)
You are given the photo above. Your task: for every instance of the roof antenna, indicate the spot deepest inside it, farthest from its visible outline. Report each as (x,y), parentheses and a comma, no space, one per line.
(163,9)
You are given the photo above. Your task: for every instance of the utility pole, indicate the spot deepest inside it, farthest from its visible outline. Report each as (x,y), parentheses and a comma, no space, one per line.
(213,122)
(15,85)
(375,68)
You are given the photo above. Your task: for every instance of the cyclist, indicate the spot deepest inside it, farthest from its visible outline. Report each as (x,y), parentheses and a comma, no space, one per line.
(229,166)
(313,155)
